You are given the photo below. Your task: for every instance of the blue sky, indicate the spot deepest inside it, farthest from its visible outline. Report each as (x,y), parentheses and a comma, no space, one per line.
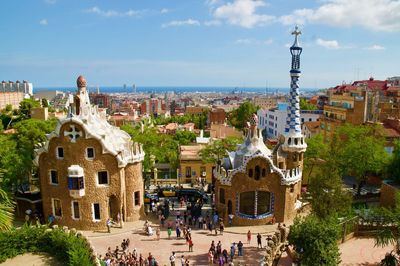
(197,43)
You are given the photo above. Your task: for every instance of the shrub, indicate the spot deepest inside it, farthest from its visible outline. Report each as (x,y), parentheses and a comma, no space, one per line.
(66,247)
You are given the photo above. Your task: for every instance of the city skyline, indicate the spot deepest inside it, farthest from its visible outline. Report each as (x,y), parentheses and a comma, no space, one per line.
(239,43)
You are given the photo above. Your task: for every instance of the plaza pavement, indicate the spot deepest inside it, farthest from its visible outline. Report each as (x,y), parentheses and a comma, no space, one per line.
(163,248)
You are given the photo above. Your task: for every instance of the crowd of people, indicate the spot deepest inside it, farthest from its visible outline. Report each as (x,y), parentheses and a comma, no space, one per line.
(182,226)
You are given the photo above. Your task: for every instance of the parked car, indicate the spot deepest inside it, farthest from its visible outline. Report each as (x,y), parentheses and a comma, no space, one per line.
(150,197)
(192,194)
(166,192)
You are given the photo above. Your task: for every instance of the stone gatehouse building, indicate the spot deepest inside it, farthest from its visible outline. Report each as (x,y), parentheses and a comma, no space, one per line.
(89,170)
(255,183)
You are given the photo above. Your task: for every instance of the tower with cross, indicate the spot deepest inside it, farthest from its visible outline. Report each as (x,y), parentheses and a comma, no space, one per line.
(293,138)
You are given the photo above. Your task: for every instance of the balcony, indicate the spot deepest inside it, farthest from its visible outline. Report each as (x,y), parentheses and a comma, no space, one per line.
(76,184)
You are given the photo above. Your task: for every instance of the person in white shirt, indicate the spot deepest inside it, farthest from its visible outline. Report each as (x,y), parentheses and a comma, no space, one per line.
(172,259)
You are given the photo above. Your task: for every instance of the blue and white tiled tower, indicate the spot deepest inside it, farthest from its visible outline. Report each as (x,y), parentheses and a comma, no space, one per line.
(293,138)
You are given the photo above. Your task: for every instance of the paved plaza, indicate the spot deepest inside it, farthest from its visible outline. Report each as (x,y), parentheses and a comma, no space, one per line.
(162,249)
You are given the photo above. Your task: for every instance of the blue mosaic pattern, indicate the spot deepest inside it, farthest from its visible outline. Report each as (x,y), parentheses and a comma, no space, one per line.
(293,118)
(256,217)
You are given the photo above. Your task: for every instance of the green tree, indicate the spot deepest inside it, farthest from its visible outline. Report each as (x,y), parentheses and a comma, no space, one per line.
(315,240)
(26,105)
(17,151)
(317,153)
(184,137)
(327,195)
(241,115)
(45,103)
(304,105)
(359,151)
(217,150)
(393,167)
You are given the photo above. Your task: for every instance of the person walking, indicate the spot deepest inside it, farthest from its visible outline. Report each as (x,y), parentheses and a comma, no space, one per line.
(190,243)
(108,223)
(240,248)
(259,244)
(233,250)
(221,227)
(172,259)
(183,260)
(248,237)
(210,257)
(169,231)
(158,233)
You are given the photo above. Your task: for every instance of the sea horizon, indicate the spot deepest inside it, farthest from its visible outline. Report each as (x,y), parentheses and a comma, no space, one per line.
(176,89)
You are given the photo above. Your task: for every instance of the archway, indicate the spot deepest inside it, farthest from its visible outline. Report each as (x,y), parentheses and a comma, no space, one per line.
(113,207)
(229,207)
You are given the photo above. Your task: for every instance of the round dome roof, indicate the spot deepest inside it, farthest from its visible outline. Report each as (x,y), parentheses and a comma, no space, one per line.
(81,82)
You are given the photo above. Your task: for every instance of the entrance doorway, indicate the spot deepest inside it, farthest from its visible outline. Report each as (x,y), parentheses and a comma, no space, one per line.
(229,207)
(113,207)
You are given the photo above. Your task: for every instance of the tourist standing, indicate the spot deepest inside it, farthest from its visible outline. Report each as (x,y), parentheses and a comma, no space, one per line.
(248,237)
(233,250)
(169,231)
(221,227)
(182,260)
(172,259)
(259,245)
(230,219)
(190,243)
(210,257)
(158,232)
(240,248)
(108,223)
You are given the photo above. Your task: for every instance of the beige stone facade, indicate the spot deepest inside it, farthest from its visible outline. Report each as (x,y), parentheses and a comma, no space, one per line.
(191,167)
(90,171)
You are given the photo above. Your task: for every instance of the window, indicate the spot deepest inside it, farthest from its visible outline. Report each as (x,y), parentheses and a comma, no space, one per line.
(310,119)
(75,210)
(53,177)
(255,203)
(75,183)
(96,211)
(222,195)
(188,171)
(247,200)
(257,173)
(90,153)
(60,152)
(102,178)
(250,172)
(263,172)
(57,207)
(137,198)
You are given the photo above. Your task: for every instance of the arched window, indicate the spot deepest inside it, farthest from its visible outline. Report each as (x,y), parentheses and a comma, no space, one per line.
(250,172)
(295,141)
(257,173)
(289,141)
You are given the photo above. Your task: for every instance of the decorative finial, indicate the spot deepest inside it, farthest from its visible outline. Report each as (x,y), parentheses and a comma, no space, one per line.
(296,33)
(81,82)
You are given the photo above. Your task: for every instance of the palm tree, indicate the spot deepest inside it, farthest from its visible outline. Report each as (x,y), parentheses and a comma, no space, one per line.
(6,210)
(389,232)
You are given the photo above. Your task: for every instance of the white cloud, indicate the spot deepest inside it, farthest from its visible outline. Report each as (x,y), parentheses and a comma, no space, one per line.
(164,10)
(113,13)
(43,22)
(243,13)
(212,23)
(50,2)
(333,44)
(375,47)
(253,41)
(377,15)
(177,23)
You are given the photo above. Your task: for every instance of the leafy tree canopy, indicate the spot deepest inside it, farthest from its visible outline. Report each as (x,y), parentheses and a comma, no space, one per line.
(217,150)
(304,105)
(26,105)
(315,240)
(241,115)
(393,168)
